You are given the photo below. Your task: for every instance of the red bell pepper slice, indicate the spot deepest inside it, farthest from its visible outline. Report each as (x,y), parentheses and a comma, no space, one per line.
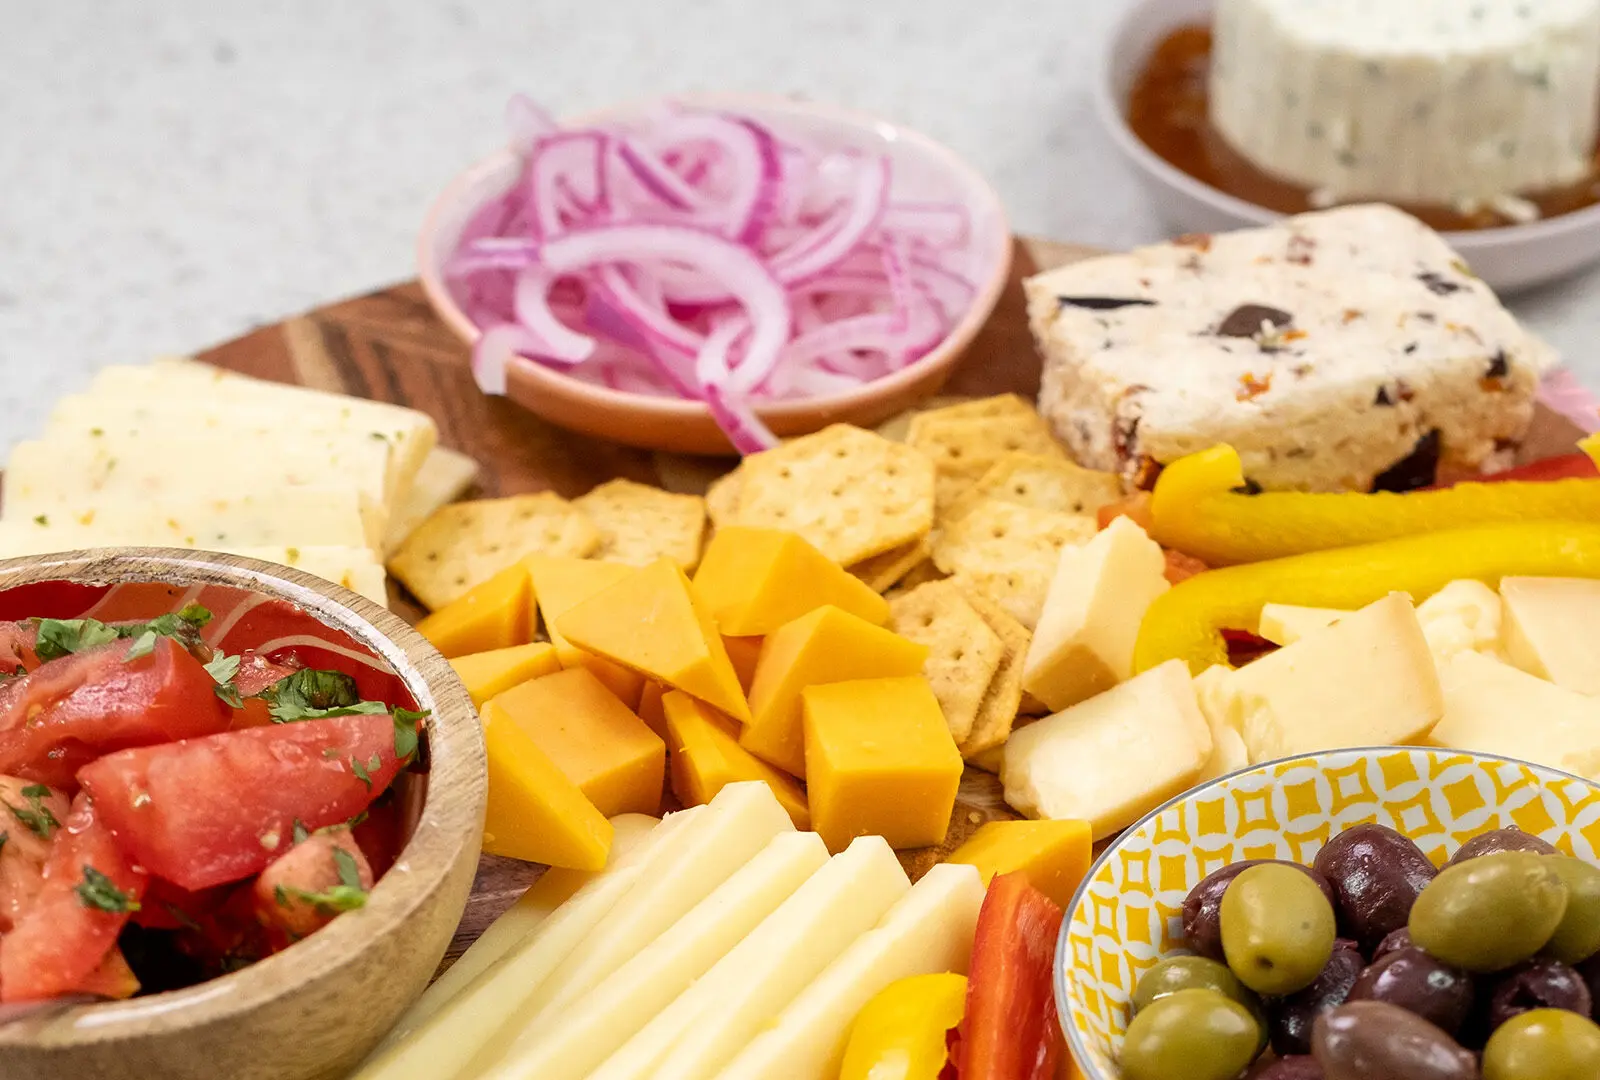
(1010,1030)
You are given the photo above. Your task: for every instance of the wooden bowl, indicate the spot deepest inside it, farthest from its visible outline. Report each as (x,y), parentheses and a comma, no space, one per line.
(923,169)
(1127,914)
(314,1010)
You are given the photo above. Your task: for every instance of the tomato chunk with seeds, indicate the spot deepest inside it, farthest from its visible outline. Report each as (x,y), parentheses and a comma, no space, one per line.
(88,891)
(207,811)
(312,883)
(71,710)
(30,816)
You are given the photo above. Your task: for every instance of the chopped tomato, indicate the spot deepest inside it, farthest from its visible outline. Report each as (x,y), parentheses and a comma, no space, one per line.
(16,647)
(1181,567)
(1135,507)
(113,979)
(88,892)
(29,819)
(75,708)
(169,907)
(313,882)
(206,811)
(1010,1030)
(256,673)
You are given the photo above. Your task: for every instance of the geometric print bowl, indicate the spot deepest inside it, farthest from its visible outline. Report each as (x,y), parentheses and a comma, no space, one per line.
(1127,913)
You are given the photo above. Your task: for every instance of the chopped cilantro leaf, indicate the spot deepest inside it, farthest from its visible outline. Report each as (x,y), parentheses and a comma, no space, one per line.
(62,637)
(280,895)
(42,520)
(17,674)
(143,645)
(36,815)
(99,891)
(36,791)
(223,668)
(357,820)
(340,898)
(361,773)
(309,694)
(229,693)
(183,917)
(196,615)
(375,762)
(405,732)
(349,873)
(300,831)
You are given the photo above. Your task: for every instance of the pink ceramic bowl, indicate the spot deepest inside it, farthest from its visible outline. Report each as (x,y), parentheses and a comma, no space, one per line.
(922,169)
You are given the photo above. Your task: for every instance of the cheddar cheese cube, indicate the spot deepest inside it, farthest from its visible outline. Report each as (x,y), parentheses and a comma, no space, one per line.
(486,674)
(879,761)
(1053,855)
(535,812)
(752,581)
(824,646)
(592,737)
(706,757)
(561,584)
(744,652)
(650,707)
(494,615)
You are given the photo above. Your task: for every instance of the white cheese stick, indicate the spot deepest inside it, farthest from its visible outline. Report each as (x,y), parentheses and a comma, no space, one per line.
(928,932)
(566,1044)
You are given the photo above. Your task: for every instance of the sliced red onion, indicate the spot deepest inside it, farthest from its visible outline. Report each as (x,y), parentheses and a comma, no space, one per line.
(740,423)
(657,177)
(713,365)
(939,225)
(531,302)
(567,178)
(821,251)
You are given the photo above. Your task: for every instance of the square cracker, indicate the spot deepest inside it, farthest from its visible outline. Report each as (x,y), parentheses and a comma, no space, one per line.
(1009,552)
(639,524)
(465,544)
(851,493)
(963,448)
(997,713)
(963,652)
(883,572)
(898,426)
(722,499)
(1044,482)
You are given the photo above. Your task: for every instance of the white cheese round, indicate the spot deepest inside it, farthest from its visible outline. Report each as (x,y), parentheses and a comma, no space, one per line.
(1442,102)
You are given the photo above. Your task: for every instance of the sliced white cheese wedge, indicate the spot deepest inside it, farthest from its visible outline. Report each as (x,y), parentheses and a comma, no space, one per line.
(443,1044)
(1464,616)
(444,477)
(1552,629)
(1494,708)
(566,1044)
(1285,624)
(1113,758)
(629,836)
(929,931)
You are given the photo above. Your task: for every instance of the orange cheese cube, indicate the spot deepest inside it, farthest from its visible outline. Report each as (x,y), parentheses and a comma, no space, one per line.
(706,756)
(650,622)
(494,615)
(743,652)
(560,584)
(650,707)
(1053,855)
(535,813)
(879,761)
(486,674)
(593,738)
(824,646)
(752,581)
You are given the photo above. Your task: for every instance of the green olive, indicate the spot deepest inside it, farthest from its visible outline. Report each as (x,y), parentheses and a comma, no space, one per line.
(1491,912)
(1277,928)
(1578,936)
(1190,1035)
(1189,973)
(1545,1044)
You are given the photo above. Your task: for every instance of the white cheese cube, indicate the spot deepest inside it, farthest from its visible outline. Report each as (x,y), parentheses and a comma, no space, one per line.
(928,932)
(1285,624)
(1494,708)
(1113,758)
(1552,629)
(1366,680)
(1101,590)
(1464,616)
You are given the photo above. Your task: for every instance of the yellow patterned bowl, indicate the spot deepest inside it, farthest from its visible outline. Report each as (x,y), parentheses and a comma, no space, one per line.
(1127,914)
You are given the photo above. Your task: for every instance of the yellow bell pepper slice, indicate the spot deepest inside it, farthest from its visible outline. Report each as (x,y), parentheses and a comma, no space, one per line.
(1186,622)
(900,1033)
(1199,507)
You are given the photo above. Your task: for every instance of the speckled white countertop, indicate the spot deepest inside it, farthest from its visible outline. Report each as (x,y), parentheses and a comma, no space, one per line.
(173,172)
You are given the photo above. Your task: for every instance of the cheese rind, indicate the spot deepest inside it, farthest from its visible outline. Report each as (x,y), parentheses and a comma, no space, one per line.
(1552,629)
(1494,708)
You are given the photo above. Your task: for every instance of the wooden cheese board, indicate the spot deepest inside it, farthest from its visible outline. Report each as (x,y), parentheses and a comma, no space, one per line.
(389,346)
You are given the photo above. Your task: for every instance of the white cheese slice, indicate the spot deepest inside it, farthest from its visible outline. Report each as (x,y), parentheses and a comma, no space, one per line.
(928,932)
(1285,624)
(444,477)
(443,1044)
(630,834)
(1464,616)
(1552,629)
(568,1044)
(1101,590)
(1494,708)
(357,569)
(1366,680)
(1113,758)
(846,900)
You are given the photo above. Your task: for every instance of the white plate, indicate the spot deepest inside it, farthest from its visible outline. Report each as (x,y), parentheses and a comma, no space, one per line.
(1511,258)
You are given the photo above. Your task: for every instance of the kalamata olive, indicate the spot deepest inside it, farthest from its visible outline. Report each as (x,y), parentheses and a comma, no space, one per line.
(1512,839)
(1400,939)
(1277,929)
(1189,973)
(1546,1044)
(1489,913)
(1578,936)
(1289,1019)
(1539,984)
(1204,903)
(1410,978)
(1590,970)
(1376,874)
(1372,1040)
(1190,1035)
(1299,1067)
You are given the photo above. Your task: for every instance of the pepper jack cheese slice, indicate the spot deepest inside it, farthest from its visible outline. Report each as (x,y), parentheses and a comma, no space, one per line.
(928,932)
(1113,758)
(566,1044)
(1101,590)
(1552,629)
